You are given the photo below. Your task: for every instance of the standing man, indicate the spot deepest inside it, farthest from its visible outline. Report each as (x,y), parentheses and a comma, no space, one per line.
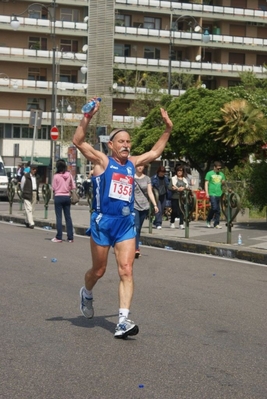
(30,194)
(112,220)
(214,180)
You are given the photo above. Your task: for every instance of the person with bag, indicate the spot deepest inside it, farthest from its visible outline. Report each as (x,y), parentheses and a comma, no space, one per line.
(30,194)
(177,185)
(62,186)
(160,182)
(142,194)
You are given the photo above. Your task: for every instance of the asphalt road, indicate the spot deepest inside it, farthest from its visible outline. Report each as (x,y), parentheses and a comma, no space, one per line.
(202,325)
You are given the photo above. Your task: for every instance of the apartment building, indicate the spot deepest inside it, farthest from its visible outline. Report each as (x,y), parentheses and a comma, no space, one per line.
(43,63)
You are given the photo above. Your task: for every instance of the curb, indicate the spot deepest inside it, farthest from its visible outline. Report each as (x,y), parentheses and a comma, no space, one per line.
(207,248)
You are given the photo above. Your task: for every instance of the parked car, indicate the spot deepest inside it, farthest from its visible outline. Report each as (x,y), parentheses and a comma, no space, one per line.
(3,179)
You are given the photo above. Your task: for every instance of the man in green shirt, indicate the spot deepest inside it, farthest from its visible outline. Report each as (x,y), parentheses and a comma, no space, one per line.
(214,180)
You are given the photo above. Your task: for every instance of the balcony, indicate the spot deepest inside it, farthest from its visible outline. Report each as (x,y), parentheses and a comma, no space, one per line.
(193,68)
(189,38)
(195,10)
(42,26)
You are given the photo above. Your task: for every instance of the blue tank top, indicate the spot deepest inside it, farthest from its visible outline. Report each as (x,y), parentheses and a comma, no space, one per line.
(113,190)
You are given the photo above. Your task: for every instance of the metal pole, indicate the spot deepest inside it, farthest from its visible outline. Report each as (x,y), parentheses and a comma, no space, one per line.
(53,105)
(170,59)
(34,133)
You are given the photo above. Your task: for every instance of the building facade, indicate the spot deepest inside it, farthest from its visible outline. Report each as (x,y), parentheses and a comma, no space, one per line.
(44,61)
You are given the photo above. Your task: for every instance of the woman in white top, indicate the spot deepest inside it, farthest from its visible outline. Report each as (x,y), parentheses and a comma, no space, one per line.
(178,184)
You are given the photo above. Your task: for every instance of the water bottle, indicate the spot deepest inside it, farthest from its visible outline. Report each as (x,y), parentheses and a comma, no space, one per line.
(89,106)
(239,240)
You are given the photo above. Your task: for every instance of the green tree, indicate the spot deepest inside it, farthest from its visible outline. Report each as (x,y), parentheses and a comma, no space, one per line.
(194,117)
(257,193)
(241,123)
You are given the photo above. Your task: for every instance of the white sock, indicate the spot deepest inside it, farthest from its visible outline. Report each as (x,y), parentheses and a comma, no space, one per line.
(88,294)
(123,314)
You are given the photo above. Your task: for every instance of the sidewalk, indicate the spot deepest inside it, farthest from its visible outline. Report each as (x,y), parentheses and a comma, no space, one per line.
(201,239)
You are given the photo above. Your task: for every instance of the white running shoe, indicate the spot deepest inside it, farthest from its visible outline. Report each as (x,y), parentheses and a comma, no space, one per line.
(208,225)
(159,227)
(127,327)
(56,240)
(182,226)
(218,227)
(172,226)
(86,305)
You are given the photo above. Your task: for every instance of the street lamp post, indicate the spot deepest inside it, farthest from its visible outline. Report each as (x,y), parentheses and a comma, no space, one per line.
(15,25)
(197,28)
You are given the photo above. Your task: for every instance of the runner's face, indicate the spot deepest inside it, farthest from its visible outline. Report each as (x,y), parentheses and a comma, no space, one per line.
(121,145)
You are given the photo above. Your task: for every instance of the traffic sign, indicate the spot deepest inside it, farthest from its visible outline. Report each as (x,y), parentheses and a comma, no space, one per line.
(54,133)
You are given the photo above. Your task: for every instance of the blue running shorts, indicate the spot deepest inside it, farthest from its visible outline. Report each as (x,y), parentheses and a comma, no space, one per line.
(108,230)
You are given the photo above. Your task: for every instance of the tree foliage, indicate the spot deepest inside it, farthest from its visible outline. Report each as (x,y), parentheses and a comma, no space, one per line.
(241,123)
(195,117)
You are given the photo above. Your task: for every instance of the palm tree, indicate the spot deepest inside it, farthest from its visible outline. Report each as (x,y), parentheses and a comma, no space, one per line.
(241,124)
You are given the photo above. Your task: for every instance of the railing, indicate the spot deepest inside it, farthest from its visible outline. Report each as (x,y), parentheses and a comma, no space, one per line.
(143,90)
(45,23)
(15,116)
(32,84)
(174,7)
(192,36)
(22,52)
(188,66)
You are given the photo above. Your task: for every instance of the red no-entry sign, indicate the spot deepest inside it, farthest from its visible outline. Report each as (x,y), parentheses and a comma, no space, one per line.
(54,133)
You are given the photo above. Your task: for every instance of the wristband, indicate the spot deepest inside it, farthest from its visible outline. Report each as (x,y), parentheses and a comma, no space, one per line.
(87,116)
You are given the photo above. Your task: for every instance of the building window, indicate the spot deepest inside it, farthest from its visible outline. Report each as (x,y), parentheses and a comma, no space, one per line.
(237,58)
(152,23)
(152,53)
(16,132)
(68,76)
(177,55)
(36,103)
(43,133)
(69,14)
(38,12)
(122,20)
(122,50)
(232,83)
(69,45)
(261,59)
(37,43)
(1,130)
(37,74)
(8,131)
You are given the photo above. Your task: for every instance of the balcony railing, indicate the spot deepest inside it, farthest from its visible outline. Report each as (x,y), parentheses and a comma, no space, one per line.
(14,116)
(45,23)
(191,67)
(190,7)
(33,84)
(42,54)
(191,36)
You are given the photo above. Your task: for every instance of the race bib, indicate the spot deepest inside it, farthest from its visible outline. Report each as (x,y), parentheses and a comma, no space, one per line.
(121,187)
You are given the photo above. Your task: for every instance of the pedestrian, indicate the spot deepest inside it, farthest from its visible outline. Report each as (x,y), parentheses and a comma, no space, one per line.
(112,219)
(20,172)
(142,194)
(214,180)
(178,184)
(160,182)
(27,167)
(30,194)
(62,184)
